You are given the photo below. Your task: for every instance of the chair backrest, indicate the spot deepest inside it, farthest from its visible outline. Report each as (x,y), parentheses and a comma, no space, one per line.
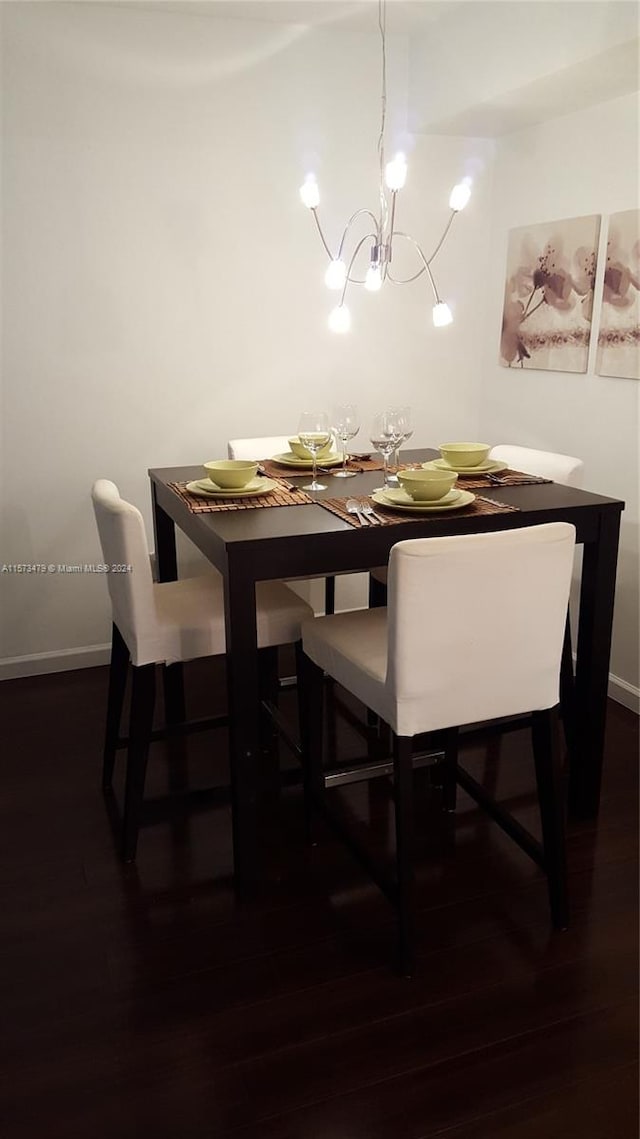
(260,448)
(124,543)
(549,465)
(476,625)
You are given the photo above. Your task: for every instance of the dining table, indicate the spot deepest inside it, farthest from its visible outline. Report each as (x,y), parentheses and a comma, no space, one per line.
(305,541)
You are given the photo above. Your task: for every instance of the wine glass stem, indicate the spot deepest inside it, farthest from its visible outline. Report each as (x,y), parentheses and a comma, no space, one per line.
(344,455)
(315,461)
(396,457)
(385,459)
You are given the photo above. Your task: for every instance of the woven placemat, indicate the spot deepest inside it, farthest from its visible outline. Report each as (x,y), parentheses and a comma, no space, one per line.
(275,470)
(284,494)
(390,516)
(501,478)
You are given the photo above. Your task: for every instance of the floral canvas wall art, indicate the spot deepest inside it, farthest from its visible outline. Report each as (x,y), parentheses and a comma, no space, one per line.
(619,334)
(548,301)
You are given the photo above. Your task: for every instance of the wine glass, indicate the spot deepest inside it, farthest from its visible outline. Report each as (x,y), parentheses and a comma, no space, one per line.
(385,437)
(401,416)
(346,424)
(314,433)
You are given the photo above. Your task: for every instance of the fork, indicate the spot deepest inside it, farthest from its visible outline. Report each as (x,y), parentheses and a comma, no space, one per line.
(374,518)
(354,507)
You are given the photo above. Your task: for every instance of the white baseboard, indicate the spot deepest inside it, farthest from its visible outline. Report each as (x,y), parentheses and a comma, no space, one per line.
(624,693)
(90,656)
(62,660)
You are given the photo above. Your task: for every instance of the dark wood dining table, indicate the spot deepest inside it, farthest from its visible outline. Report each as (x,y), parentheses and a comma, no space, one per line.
(248,546)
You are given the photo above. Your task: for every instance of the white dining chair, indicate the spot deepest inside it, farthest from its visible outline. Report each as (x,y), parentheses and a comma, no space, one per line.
(263,447)
(441,655)
(564,469)
(163,623)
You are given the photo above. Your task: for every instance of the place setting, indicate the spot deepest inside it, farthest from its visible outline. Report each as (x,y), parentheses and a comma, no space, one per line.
(471,462)
(419,494)
(424,492)
(314,448)
(235,484)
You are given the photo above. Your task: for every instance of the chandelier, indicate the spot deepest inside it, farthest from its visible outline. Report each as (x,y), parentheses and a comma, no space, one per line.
(383,233)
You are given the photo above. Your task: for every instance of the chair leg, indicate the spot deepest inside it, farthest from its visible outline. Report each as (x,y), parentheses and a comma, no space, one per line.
(117,683)
(449,770)
(142,701)
(329,595)
(403,799)
(174,699)
(377,593)
(567,692)
(552,815)
(269,691)
(311,706)
(377,600)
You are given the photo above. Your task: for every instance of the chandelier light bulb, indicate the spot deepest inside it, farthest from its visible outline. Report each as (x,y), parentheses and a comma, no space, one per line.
(395,174)
(310,193)
(336,274)
(373,279)
(460,195)
(340,319)
(442,314)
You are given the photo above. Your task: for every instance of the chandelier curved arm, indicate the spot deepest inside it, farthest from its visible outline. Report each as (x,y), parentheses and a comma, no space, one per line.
(367,237)
(352,219)
(442,239)
(427,260)
(425,266)
(314,211)
(405,280)
(347,227)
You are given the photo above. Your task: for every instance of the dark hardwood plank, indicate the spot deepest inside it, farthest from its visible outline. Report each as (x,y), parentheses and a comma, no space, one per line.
(460,1087)
(602,1107)
(149,998)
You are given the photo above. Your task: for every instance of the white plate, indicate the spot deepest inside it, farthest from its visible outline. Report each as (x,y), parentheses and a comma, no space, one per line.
(401,497)
(400,500)
(204,488)
(490,466)
(288,459)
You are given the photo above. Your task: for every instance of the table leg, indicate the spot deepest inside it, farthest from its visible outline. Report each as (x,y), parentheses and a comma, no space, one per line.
(592,665)
(164,532)
(243,690)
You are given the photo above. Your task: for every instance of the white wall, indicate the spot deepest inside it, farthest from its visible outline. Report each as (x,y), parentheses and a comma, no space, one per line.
(162,285)
(584,163)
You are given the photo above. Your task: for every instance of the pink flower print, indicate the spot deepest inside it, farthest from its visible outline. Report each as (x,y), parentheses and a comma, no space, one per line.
(584,278)
(511,344)
(618,280)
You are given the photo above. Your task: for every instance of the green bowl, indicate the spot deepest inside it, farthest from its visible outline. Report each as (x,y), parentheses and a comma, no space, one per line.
(302,452)
(231,474)
(464,454)
(426,486)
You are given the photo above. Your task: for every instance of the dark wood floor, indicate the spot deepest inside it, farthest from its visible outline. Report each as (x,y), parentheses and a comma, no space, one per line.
(149,1000)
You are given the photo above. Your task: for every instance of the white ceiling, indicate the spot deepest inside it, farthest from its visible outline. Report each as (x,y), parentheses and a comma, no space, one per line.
(353,15)
(494,66)
(476,67)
